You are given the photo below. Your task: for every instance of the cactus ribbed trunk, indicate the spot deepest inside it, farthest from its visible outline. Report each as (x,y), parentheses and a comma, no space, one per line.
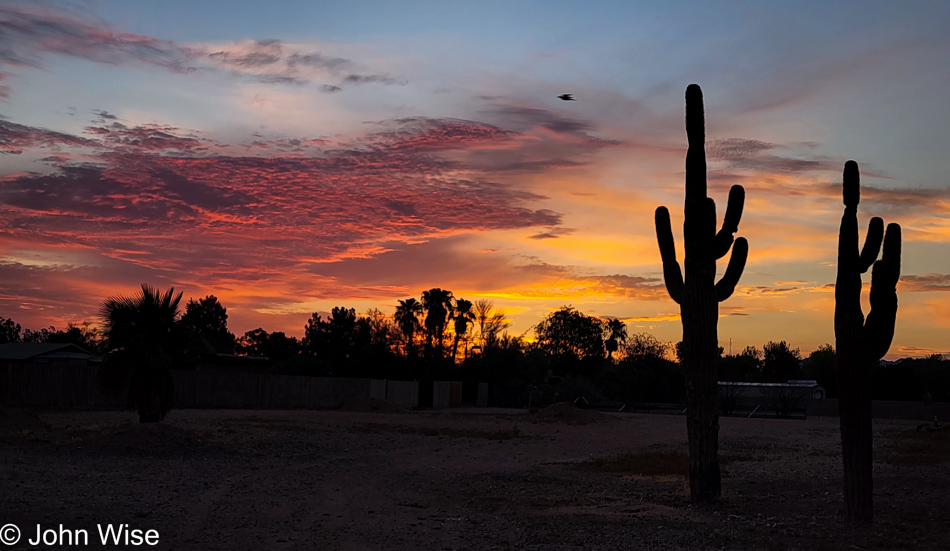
(860,343)
(699,296)
(854,401)
(701,355)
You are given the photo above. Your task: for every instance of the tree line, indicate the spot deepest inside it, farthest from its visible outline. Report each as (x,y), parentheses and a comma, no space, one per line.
(439,336)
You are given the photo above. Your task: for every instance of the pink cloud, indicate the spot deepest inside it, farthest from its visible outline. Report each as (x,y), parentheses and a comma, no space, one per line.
(157,197)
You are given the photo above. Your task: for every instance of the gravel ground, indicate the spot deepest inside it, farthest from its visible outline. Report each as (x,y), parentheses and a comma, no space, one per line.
(460,479)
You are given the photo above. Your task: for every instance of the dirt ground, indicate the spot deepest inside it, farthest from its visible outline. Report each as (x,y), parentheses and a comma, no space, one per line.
(473,479)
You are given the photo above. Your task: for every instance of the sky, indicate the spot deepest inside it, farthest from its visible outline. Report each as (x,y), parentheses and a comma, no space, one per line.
(289,157)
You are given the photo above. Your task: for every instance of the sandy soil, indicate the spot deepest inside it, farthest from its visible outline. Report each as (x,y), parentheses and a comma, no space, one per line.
(474,479)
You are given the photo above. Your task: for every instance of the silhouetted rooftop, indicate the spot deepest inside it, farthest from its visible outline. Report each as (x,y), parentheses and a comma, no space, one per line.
(29,350)
(793,383)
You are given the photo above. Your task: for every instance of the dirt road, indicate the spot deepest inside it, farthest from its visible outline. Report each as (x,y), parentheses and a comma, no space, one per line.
(251,480)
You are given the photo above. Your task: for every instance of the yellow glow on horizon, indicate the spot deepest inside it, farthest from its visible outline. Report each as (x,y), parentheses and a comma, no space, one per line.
(662,317)
(605,250)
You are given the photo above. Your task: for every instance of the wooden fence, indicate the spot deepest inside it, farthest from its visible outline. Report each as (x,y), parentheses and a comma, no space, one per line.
(80,387)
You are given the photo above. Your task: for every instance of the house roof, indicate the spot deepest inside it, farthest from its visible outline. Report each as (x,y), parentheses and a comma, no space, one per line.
(29,350)
(794,384)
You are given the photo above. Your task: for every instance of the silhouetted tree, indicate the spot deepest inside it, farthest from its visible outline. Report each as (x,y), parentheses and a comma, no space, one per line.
(780,363)
(860,343)
(382,332)
(143,331)
(345,331)
(253,342)
(497,358)
(644,373)
(898,381)
(341,340)
(508,362)
(490,322)
(9,331)
(206,321)
(744,366)
(645,345)
(316,336)
(407,319)
(699,296)
(573,341)
(83,336)
(913,379)
(277,346)
(39,335)
(463,318)
(438,307)
(821,366)
(617,334)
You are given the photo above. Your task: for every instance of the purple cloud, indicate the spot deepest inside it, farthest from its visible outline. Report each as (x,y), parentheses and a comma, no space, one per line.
(30,32)
(16,138)
(925,283)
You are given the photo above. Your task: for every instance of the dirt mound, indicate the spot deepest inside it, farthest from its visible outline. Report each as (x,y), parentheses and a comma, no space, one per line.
(566,412)
(20,422)
(365,404)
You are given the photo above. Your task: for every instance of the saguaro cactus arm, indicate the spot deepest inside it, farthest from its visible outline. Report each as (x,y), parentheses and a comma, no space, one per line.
(730,224)
(727,285)
(879,326)
(872,243)
(724,239)
(672,273)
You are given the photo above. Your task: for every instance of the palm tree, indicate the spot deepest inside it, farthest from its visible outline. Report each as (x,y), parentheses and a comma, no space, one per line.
(618,334)
(463,317)
(490,323)
(143,331)
(407,318)
(438,306)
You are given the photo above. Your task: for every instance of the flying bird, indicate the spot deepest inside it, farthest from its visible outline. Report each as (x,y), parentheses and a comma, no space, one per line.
(567,97)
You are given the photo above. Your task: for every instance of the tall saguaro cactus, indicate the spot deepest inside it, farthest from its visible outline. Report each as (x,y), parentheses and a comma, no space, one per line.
(699,297)
(861,343)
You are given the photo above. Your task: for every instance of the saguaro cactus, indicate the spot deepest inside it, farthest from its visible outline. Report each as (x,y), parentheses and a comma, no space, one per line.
(860,344)
(699,297)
